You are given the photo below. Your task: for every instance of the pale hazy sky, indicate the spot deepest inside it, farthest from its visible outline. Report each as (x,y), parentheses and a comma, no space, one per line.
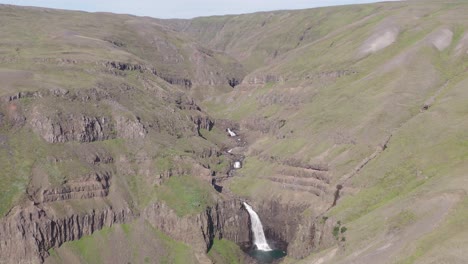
(181,8)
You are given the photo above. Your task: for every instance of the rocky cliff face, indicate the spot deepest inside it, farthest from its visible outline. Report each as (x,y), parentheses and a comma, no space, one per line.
(93,185)
(226,219)
(64,128)
(293,229)
(312,235)
(28,233)
(130,129)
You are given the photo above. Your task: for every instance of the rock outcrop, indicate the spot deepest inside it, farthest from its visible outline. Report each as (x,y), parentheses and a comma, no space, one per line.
(202,122)
(28,233)
(293,230)
(263,79)
(226,220)
(119,68)
(19,95)
(312,235)
(263,125)
(93,185)
(129,129)
(62,128)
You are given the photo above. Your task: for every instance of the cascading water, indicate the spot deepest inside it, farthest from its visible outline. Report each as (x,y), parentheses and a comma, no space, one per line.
(257,229)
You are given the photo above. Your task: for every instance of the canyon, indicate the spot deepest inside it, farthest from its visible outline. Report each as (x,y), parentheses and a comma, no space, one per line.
(128,139)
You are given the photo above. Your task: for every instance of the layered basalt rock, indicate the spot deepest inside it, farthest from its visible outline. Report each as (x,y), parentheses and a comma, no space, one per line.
(62,128)
(263,79)
(263,125)
(28,233)
(227,220)
(270,78)
(93,185)
(185,82)
(289,227)
(312,235)
(303,179)
(130,129)
(119,68)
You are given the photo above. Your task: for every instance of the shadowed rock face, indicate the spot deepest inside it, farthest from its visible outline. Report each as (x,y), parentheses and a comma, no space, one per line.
(226,220)
(28,233)
(286,229)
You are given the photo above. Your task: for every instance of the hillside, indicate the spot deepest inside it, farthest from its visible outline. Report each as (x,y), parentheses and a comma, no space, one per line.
(351,129)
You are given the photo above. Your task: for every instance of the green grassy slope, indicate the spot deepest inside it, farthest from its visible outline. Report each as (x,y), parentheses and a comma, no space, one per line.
(136,242)
(225,251)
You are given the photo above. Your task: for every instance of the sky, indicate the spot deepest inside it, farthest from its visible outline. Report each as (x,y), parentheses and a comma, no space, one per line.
(181,8)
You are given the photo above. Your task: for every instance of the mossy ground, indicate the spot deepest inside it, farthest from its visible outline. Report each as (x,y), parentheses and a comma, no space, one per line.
(186,195)
(124,243)
(225,251)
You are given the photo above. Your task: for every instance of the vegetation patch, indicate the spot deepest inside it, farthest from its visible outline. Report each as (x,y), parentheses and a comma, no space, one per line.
(18,157)
(177,252)
(338,231)
(225,251)
(402,219)
(88,248)
(185,194)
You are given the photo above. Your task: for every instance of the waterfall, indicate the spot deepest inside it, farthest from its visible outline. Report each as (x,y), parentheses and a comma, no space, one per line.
(257,229)
(231,133)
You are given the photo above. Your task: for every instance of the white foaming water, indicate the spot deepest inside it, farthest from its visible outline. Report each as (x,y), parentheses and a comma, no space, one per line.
(231,133)
(257,229)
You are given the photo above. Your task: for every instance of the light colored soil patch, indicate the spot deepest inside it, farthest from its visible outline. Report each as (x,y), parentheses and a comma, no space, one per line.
(462,46)
(441,39)
(379,40)
(326,257)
